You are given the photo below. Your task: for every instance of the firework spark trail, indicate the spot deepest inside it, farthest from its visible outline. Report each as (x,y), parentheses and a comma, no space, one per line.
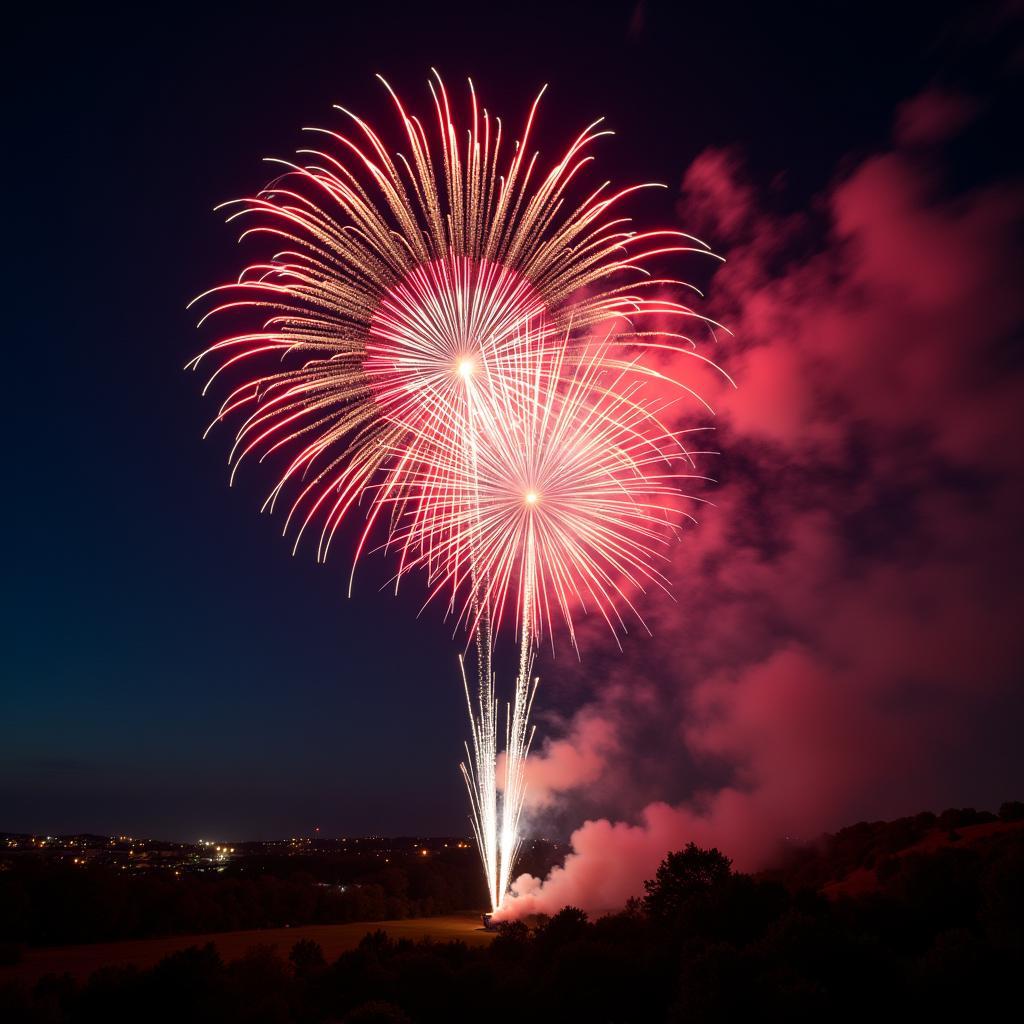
(482,782)
(478,771)
(415,305)
(569,489)
(496,830)
(517,749)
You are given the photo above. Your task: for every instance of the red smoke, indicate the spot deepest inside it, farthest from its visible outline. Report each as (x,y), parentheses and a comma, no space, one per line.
(846,637)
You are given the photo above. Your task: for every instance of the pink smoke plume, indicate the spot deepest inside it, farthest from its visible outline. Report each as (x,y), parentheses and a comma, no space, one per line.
(846,633)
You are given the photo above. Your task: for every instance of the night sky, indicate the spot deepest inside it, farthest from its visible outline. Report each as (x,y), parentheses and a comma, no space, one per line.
(171,670)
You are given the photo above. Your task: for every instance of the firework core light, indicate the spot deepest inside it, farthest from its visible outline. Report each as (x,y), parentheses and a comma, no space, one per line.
(464,345)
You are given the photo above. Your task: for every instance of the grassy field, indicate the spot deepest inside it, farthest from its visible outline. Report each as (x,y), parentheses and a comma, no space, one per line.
(80,961)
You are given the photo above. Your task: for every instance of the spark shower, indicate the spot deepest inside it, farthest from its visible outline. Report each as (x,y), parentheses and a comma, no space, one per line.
(461,344)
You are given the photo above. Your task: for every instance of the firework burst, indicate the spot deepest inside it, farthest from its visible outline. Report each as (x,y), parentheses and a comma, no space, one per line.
(566,504)
(449,337)
(563,498)
(390,275)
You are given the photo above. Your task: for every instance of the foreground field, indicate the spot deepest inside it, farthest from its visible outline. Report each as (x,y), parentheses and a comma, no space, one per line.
(334,939)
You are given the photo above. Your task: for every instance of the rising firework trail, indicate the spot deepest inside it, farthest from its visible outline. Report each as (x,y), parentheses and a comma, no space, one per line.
(450,337)
(569,497)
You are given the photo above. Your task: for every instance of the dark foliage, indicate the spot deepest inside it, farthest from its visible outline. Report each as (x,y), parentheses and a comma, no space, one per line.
(870,844)
(684,880)
(47,903)
(941,938)
(1012,810)
(57,904)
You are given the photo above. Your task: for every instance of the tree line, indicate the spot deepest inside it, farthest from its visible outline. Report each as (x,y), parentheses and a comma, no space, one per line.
(45,904)
(941,936)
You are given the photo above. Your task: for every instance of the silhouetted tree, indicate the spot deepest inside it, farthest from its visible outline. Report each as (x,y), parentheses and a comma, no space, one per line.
(942,935)
(307,957)
(683,875)
(1011,810)
(569,924)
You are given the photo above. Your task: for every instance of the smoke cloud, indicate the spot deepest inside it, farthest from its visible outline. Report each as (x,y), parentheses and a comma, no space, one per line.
(846,639)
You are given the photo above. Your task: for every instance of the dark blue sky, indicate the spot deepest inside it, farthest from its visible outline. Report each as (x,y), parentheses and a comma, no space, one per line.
(169,668)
